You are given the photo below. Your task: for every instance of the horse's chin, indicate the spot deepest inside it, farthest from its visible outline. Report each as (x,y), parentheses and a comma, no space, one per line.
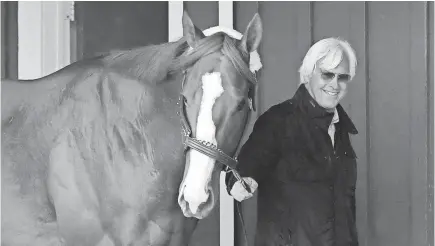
(202,211)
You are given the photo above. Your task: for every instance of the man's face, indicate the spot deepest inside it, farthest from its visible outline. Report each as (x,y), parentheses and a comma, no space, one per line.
(329,86)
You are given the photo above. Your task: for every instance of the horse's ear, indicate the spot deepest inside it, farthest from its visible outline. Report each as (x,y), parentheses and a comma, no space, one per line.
(252,37)
(190,31)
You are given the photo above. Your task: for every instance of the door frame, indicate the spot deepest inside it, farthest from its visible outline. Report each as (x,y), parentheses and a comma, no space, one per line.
(41,52)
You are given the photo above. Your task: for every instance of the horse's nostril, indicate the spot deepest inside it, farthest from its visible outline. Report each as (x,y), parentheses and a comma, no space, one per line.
(195,205)
(206,207)
(197,208)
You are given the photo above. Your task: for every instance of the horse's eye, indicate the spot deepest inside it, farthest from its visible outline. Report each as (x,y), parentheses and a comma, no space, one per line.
(241,105)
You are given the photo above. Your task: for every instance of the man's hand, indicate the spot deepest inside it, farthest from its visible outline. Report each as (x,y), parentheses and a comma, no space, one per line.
(239,193)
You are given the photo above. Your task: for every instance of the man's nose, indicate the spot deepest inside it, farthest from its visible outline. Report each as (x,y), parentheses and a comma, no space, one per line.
(334,82)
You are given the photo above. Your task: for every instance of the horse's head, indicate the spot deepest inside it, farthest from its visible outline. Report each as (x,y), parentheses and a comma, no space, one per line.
(218,92)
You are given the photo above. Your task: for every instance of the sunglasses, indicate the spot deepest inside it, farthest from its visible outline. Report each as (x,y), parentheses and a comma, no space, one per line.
(326,75)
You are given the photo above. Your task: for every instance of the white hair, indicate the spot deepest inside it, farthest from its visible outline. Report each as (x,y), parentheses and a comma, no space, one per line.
(329,52)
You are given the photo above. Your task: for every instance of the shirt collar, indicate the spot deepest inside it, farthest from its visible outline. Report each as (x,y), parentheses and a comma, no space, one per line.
(335,118)
(322,117)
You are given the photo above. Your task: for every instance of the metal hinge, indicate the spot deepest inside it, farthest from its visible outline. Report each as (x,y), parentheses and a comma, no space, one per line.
(70,11)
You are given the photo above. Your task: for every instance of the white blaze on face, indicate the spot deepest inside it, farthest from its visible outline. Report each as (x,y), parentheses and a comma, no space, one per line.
(201,166)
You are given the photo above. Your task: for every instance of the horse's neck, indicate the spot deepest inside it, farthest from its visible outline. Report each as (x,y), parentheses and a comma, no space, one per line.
(172,86)
(14,94)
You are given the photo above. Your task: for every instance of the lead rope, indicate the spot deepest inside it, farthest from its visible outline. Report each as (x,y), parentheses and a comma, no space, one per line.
(243,222)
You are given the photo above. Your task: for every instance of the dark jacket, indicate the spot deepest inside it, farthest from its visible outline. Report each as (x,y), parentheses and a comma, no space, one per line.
(306,186)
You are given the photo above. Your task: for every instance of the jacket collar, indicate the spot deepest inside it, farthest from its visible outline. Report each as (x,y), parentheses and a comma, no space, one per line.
(321,117)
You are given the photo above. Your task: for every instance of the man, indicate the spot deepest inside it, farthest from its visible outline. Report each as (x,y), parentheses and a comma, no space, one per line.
(300,154)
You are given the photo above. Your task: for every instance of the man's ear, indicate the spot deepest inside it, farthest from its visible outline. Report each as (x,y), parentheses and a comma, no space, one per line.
(190,31)
(252,37)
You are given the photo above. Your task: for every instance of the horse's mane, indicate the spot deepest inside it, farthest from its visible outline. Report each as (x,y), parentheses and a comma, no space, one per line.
(155,62)
(149,63)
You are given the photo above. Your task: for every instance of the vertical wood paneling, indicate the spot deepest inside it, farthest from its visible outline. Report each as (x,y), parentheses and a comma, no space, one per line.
(348,22)
(398,163)
(204,14)
(4,46)
(103,26)
(243,13)
(286,38)
(418,76)
(430,122)
(9,39)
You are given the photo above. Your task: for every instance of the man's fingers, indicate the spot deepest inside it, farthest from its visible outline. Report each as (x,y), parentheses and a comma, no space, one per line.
(243,197)
(252,184)
(239,192)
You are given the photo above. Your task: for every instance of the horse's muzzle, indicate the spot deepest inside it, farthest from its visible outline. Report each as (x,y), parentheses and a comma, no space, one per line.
(197,207)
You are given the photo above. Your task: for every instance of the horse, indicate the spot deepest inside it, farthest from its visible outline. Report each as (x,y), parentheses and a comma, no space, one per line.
(125,148)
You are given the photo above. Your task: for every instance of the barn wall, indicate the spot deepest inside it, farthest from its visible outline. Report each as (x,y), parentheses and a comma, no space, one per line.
(390,102)
(430,123)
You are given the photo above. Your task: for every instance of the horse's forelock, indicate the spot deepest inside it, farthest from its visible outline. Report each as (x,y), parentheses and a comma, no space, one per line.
(238,58)
(204,47)
(211,44)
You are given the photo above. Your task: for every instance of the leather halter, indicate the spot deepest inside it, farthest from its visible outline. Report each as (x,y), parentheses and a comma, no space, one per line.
(205,147)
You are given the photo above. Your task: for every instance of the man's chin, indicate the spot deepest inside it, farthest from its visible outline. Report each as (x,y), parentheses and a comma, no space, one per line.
(329,106)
